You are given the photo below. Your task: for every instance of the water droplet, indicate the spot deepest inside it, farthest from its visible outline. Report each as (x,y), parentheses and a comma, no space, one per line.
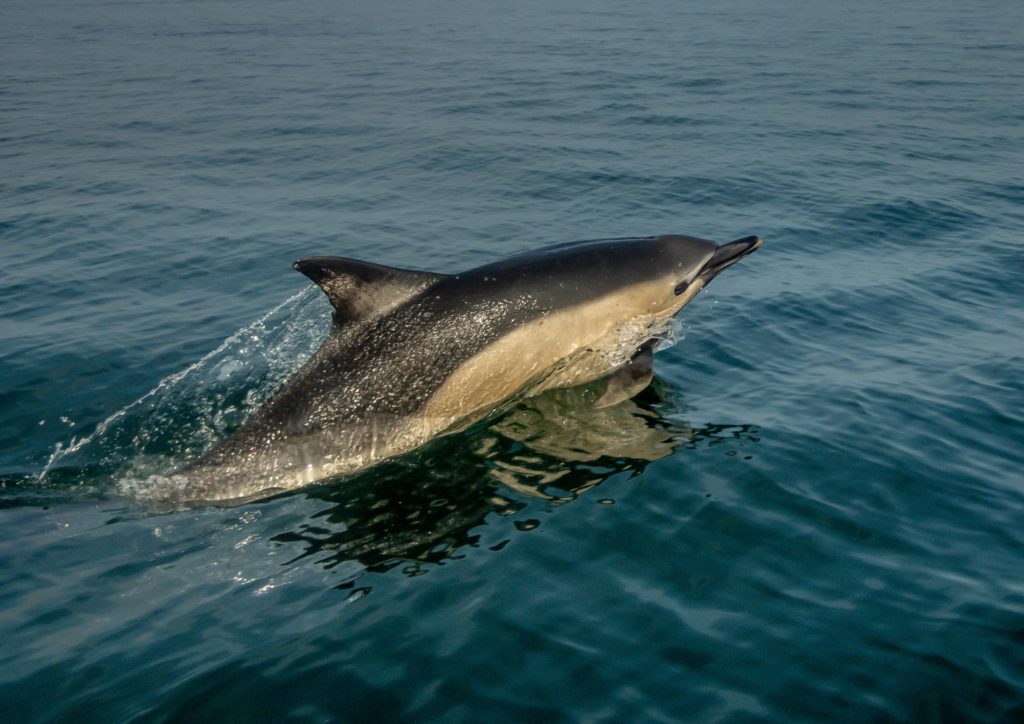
(358,593)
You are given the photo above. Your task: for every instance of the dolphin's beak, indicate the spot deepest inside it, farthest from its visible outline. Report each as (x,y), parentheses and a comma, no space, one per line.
(728,254)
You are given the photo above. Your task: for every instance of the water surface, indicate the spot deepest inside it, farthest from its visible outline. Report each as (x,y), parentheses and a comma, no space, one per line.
(816,511)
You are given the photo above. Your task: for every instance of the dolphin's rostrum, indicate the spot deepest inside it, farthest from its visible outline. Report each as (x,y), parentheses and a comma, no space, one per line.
(412,354)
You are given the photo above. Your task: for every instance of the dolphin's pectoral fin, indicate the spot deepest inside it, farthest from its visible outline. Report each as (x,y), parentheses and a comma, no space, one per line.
(359,290)
(630,379)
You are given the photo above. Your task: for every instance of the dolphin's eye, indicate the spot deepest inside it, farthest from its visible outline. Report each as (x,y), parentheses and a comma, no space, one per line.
(681,287)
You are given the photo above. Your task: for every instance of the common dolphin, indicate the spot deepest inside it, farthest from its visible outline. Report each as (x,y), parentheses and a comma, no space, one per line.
(411,354)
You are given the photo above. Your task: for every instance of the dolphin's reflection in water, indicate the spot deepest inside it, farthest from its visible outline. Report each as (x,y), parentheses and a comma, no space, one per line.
(548,450)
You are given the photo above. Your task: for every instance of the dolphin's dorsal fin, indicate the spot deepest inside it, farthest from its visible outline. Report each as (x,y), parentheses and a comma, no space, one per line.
(359,290)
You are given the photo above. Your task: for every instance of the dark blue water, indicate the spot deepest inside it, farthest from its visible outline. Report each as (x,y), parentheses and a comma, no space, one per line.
(815,513)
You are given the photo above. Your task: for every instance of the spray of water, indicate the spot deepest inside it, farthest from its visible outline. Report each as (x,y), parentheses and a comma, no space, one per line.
(186,412)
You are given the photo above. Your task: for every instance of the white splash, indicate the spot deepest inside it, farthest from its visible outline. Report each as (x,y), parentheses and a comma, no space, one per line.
(188,410)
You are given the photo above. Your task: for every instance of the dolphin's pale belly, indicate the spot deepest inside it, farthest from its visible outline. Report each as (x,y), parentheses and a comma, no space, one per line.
(570,347)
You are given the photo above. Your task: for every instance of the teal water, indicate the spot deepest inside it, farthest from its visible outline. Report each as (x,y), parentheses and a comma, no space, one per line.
(816,513)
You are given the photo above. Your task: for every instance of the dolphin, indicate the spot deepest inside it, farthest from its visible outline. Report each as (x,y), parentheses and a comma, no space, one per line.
(413,354)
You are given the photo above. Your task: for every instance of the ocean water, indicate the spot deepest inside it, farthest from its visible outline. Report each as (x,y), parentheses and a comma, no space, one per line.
(816,512)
